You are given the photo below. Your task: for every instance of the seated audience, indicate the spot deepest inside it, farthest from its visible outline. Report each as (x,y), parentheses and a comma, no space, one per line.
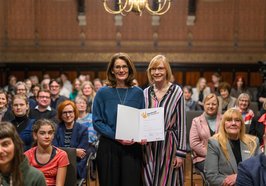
(72,134)
(56,98)
(14,166)
(202,128)
(3,103)
(226,149)
(190,104)
(97,83)
(43,108)
(76,87)
(87,89)
(85,118)
(21,89)
(214,84)
(258,123)
(239,87)
(200,92)
(225,100)
(261,95)
(242,104)
(20,119)
(252,171)
(49,159)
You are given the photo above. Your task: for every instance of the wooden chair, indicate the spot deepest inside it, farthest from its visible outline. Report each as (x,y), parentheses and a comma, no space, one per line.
(71,176)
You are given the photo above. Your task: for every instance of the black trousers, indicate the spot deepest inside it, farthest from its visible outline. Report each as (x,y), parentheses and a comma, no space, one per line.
(117,164)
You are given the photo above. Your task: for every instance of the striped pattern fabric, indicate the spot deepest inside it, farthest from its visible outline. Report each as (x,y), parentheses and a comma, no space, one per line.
(159,156)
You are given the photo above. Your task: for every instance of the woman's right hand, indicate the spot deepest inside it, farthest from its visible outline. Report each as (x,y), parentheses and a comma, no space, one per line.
(126,142)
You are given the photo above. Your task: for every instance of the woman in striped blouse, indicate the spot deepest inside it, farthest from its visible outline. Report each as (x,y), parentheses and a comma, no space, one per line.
(164,160)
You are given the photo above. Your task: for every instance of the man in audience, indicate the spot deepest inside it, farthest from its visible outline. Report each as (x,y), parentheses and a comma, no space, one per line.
(43,109)
(55,86)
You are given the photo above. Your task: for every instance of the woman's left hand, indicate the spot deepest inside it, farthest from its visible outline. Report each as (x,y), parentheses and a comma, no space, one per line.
(81,153)
(178,162)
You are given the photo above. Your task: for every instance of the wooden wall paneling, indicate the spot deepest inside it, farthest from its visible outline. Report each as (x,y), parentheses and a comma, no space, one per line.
(251,24)
(173,23)
(142,78)
(192,78)
(227,77)
(58,20)
(256,79)
(211,18)
(101,75)
(2,21)
(71,75)
(20,20)
(178,77)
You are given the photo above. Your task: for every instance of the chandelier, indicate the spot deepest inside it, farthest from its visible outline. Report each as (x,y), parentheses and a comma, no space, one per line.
(154,7)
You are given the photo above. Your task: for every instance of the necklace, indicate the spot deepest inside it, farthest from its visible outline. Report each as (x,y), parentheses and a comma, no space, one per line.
(121,101)
(19,123)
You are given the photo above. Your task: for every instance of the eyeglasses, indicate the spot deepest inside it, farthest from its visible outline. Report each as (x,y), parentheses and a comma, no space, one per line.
(81,102)
(54,86)
(160,69)
(42,97)
(68,112)
(118,67)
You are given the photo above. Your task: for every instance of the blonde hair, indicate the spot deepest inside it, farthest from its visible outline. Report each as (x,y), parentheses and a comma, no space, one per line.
(222,136)
(155,62)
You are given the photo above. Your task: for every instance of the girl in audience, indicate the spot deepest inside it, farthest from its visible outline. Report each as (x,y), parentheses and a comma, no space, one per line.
(239,87)
(20,119)
(76,88)
(87,89)
(51,160)
(202,128)
(200,92)
(242,104)
(225,100)
(228,148)
(14,166)
(3,103)
(72,134)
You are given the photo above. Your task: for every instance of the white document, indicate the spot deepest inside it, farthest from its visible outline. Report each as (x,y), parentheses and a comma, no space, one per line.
(138,124)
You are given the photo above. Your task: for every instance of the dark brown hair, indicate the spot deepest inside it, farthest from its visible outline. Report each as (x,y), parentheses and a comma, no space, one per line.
(7,130)
(111,80)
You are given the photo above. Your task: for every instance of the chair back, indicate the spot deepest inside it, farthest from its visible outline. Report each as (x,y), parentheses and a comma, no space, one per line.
(190,115)
(71,176)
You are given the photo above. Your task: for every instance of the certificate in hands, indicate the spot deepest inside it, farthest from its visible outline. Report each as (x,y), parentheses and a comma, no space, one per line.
(138,124)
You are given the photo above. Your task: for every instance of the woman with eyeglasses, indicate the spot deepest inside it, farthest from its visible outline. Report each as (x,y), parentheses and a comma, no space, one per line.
(164,160)
(72,134)
(226,149)
(14,165)
(118,161)
(47,158)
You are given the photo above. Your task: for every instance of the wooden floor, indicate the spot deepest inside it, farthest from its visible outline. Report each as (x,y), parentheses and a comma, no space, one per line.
(196,181)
